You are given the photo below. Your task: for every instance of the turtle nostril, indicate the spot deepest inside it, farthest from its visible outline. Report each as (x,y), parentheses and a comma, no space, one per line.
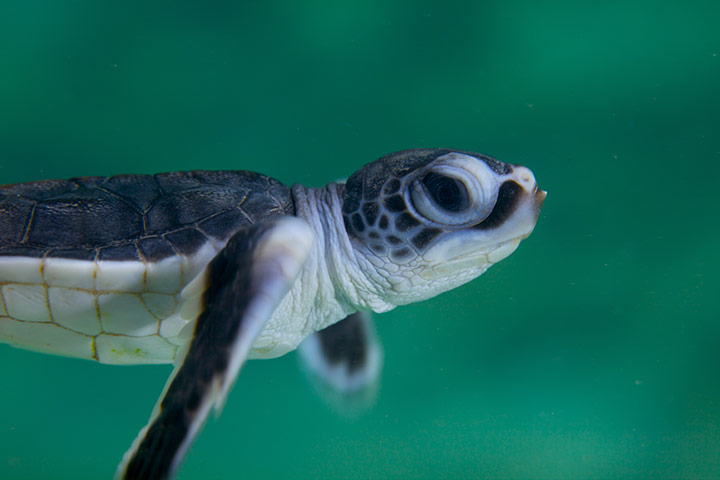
(525,177)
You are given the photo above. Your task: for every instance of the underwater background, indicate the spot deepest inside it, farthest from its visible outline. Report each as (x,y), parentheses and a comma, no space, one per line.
(592,352)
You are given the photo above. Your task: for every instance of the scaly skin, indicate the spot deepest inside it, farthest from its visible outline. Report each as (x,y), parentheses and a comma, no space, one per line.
(344,273)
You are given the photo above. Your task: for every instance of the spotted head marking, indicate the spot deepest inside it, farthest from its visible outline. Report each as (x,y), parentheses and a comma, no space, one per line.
(432,219)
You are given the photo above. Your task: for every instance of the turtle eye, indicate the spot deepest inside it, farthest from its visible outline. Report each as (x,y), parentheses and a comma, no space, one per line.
(448,193)
(456,191)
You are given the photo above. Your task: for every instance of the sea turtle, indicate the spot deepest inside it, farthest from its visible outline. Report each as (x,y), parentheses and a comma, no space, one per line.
(210,268)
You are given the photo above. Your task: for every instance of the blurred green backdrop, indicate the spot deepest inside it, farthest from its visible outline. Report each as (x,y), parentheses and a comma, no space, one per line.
(592,352)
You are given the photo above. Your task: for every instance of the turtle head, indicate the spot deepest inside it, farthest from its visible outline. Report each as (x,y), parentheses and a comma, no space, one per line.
(429,220)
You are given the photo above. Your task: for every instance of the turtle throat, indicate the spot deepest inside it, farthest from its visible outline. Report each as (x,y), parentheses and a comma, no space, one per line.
(343,272)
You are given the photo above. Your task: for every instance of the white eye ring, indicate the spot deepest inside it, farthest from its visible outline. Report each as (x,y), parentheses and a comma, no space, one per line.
(479,180)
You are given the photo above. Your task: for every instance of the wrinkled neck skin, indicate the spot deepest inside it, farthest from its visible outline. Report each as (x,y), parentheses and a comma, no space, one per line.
(341,269)
(335,281)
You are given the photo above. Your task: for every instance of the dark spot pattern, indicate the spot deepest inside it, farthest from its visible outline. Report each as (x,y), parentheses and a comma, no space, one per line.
(383,224)
(395,204)
(348,226)
(405,222)
(379,248)
(375,176)
(426,235)
(393,240)
(357,222)
(392,186)
(370,211)
(376,194)
(353,194)
(351,205)
(375,191)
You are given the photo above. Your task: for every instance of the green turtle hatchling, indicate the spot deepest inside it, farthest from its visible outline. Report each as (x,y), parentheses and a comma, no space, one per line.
(207,269)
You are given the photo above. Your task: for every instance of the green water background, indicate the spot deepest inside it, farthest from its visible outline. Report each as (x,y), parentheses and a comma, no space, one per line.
(592,352)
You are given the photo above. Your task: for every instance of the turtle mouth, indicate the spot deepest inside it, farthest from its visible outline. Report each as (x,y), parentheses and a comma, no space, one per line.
(540,196)
(469,256)
(480,248)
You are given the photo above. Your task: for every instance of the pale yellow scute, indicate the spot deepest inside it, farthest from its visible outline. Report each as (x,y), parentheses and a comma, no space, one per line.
(122,350)
(46,337)
(20,270)
(26,302)
(125,314)
(159,305)
(164,276)
(172,326)
(120,276)
(74,309)
(112,312)
(64,272)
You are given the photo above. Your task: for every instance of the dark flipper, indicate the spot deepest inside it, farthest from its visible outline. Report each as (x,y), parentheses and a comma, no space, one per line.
(345,356)
(245,283)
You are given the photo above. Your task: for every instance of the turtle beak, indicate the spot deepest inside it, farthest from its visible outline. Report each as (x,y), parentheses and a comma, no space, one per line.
(539,198)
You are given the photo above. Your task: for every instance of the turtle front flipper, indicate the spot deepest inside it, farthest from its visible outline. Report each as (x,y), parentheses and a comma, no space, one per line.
(346,356)
(243,285)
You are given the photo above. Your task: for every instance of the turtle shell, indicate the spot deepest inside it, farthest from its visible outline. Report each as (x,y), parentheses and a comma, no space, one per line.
(95,267)
(134,217)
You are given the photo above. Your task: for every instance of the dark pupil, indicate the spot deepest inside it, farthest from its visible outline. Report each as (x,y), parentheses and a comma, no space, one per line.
(447,192)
